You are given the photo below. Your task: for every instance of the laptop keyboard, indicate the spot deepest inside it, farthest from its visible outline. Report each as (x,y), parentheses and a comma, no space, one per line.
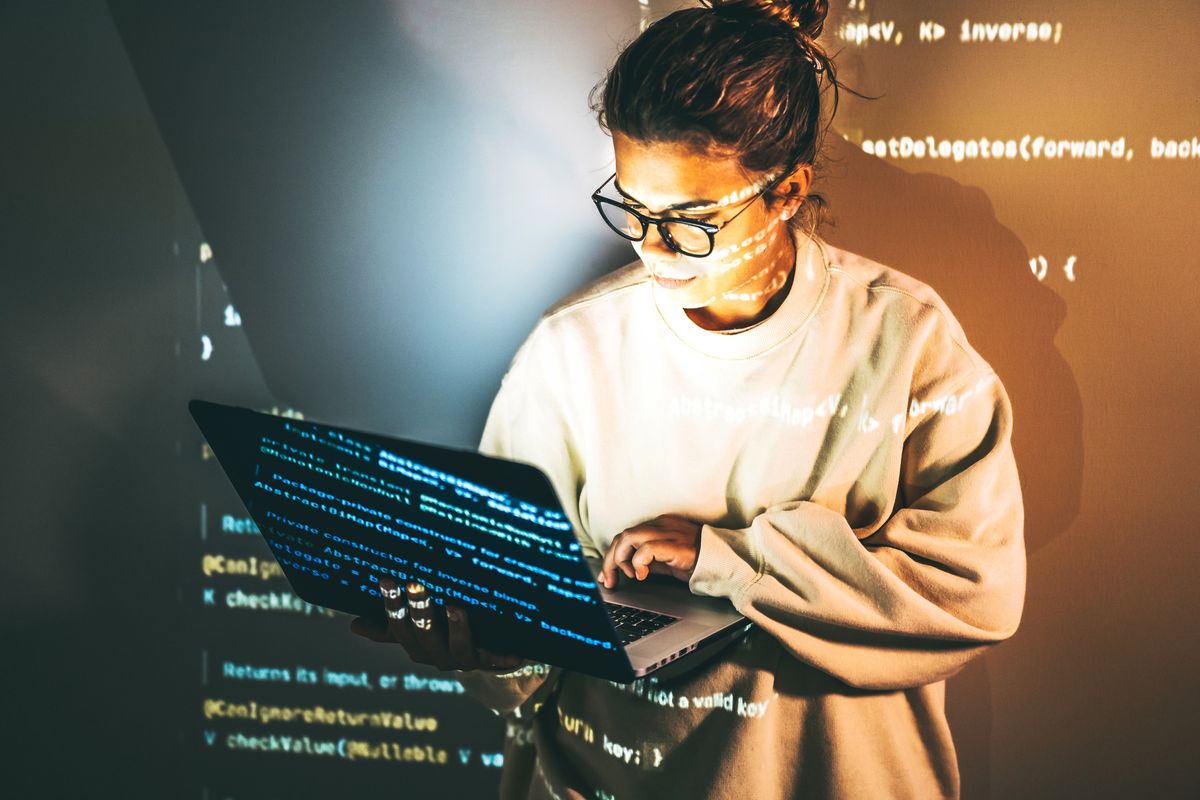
(632,623)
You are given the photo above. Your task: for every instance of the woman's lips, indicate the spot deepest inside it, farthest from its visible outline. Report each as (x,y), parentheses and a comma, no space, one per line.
(669,283)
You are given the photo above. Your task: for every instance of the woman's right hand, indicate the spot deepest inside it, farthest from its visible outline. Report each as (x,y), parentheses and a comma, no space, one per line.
(429,633)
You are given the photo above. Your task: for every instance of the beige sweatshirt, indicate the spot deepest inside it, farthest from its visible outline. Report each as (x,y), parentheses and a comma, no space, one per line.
(851,463)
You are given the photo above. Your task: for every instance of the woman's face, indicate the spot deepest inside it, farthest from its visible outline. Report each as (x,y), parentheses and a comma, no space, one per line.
(751,256)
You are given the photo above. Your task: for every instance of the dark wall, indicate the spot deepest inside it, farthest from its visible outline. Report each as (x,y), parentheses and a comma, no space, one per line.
(393,192)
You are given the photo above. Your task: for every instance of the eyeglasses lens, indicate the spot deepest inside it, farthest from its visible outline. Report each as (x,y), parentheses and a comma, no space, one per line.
(688,238)
(621,221)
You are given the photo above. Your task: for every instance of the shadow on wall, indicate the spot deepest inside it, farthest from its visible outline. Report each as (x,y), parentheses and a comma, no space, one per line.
(946,235)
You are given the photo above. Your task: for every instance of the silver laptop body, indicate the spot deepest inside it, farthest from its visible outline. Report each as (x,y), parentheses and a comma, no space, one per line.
(704,626)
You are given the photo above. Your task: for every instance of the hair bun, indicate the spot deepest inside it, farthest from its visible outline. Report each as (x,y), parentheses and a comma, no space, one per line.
(806,18)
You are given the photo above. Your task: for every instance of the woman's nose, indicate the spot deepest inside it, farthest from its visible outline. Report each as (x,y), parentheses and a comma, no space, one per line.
(655,244)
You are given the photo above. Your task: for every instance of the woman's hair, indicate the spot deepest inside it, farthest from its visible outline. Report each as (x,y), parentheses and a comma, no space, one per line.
(735,77)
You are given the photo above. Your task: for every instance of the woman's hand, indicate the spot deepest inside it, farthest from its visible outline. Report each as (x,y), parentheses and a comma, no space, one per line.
(430,634)
(666,545)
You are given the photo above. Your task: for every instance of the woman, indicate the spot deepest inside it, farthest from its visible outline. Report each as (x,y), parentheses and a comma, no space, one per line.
(770,419)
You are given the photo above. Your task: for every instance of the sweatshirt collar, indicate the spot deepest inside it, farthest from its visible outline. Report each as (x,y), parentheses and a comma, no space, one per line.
(812,265)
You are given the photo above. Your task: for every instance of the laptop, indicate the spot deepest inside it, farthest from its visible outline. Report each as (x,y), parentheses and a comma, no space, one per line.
(341,508)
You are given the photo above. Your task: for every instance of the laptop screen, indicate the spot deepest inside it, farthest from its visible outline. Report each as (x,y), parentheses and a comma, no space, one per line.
(341,509)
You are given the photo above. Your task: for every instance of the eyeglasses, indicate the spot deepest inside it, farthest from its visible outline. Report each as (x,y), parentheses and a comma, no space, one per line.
(687,236)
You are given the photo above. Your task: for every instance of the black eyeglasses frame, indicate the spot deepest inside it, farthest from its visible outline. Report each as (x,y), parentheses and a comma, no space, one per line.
(661,223)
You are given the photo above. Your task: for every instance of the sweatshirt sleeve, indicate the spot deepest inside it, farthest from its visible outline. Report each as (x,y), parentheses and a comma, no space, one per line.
(516,429)
(906,603)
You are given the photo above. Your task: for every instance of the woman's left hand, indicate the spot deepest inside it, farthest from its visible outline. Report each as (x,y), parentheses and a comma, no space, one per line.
(666,545)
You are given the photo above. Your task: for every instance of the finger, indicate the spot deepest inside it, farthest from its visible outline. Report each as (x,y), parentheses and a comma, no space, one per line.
(428,624)
(608,568)
(613,556)
(397,620)
(641,560)
(631,540)
(660,551)
(419,606)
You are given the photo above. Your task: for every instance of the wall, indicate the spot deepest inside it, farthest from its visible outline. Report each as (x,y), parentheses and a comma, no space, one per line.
(368,181)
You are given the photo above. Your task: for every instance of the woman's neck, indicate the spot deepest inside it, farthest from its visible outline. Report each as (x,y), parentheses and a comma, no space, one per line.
(741,315)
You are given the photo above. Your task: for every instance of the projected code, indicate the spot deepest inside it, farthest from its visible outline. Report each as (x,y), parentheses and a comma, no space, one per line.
(251,566)
(349,749)
(267,725)
(860,31)
(266,713)
(261,601)
(261,673)
(354,749)
(1024,148)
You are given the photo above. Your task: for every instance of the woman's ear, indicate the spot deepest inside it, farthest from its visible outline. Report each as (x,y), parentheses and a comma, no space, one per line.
(792,190)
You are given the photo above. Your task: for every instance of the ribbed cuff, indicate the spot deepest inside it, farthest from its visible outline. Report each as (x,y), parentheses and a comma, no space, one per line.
(725,566)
